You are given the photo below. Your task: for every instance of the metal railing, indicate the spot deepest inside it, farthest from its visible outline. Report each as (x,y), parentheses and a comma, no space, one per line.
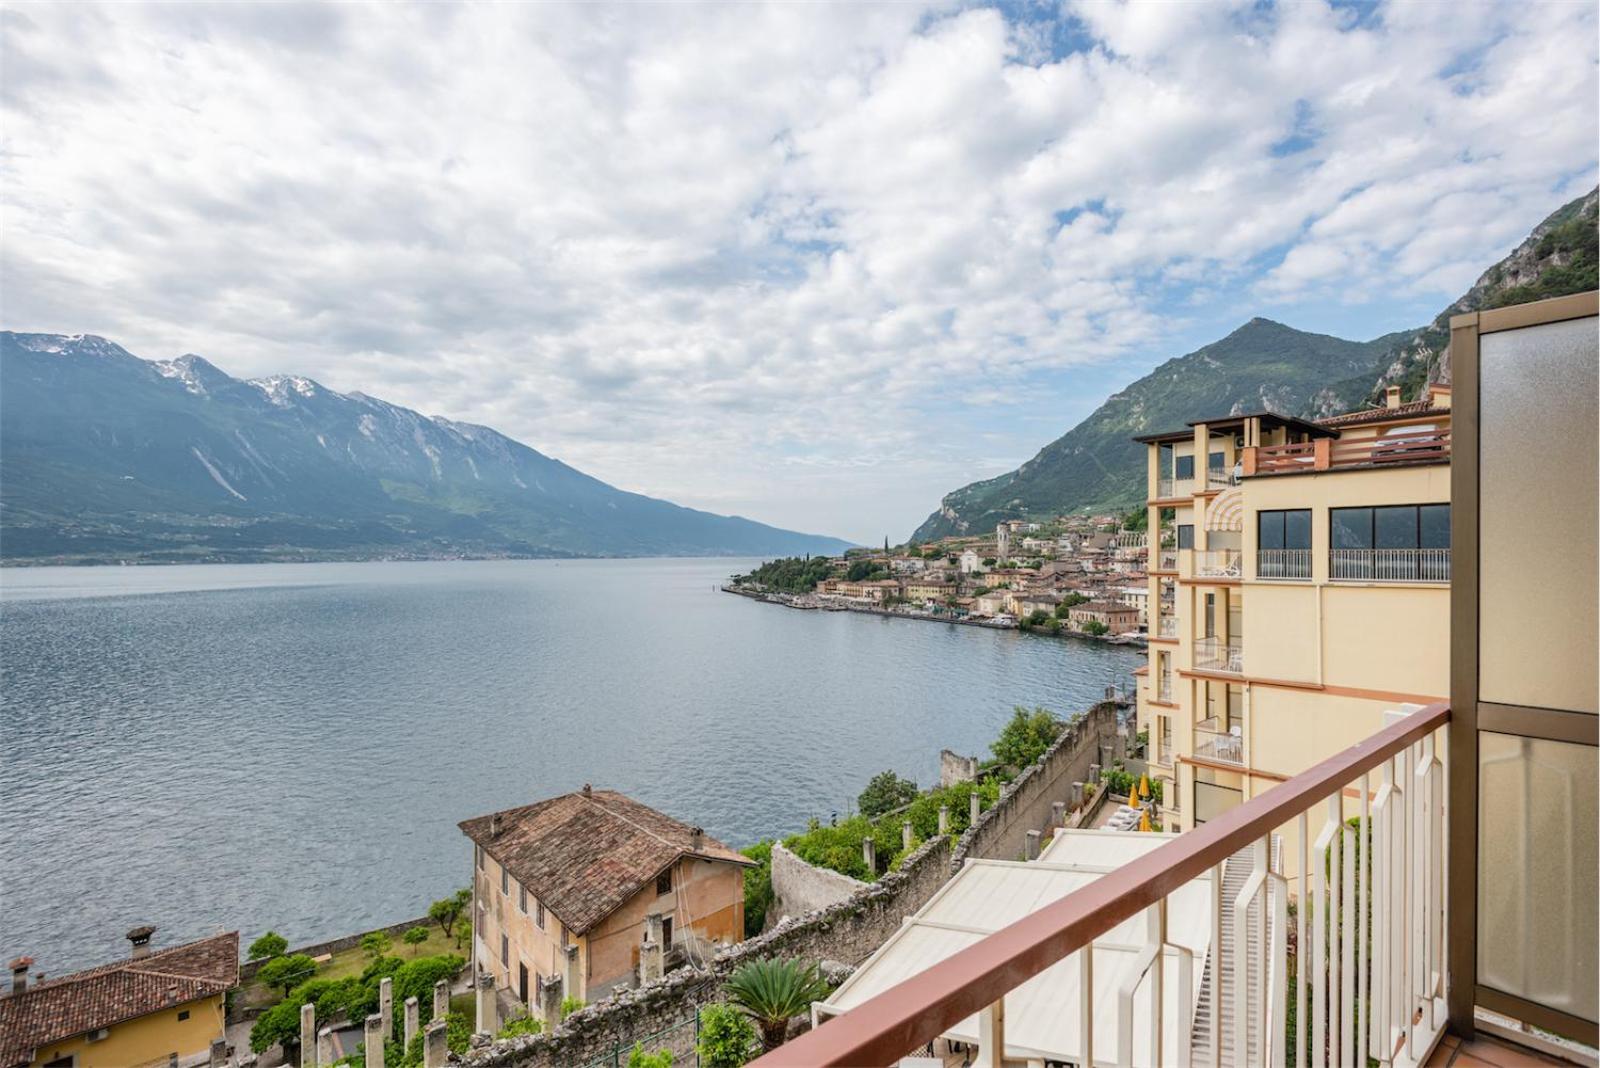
(1218,478)
(1166,626)
(1214,654)
(1214,742)
(1218,563)
(1389,565)
(1371,918)
(1167,488)
(1164,688)
(1167,560)
(1283,563)
(1164,753)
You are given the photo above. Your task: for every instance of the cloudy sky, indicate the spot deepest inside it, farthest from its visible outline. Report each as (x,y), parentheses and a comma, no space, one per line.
(812,263)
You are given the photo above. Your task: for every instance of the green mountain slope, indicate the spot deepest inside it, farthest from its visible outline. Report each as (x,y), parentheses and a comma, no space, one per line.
(1262,365)
(104,456)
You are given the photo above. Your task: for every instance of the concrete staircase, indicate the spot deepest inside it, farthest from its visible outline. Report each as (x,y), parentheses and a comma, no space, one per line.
(1235,872)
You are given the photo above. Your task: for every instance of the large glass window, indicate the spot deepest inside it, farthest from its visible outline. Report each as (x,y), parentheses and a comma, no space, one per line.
(1283,543)
(1394,543)
(1183,467)
(1185,535)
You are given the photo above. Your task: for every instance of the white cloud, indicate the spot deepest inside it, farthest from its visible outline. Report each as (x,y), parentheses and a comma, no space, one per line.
(794,261)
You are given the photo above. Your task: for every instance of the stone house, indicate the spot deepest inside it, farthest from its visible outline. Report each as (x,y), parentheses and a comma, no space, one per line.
(164,1007)
(1118,618)
(570,887)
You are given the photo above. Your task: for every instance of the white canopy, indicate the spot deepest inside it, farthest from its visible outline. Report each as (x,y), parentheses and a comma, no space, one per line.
(1041,1015)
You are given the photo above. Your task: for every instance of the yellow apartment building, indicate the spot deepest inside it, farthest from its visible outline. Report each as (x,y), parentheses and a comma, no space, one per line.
(150,1009)
(570,887)
(1297,589)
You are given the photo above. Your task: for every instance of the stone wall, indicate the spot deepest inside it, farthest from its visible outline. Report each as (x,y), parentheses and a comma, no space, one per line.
(661,1013)
(799,888)
(1026,802)
(954,768)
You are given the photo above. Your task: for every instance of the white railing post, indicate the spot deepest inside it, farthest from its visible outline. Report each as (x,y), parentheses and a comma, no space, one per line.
(1156,932)
(1347,939)
(992,1035)
(1277,1036)
(1215,1008)
(1086,1001)
(1301,1022)
(1363,899)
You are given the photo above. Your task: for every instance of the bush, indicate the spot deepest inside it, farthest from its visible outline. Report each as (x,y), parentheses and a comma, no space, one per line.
(414,937)
(757,888)
(521,1025)
(1026,736)
(1095,628)
(638,1058)
(570,1005)
(271,944)
(727,1037)
(286,972)
(886,791)
(375,944)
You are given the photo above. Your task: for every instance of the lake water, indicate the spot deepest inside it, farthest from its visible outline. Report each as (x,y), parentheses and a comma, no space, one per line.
(291,745)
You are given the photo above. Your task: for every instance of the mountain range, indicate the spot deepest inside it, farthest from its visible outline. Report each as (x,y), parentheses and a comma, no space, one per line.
(108,457)
(1097,466)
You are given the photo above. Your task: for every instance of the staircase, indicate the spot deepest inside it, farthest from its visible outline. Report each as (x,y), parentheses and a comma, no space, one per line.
(1235,873)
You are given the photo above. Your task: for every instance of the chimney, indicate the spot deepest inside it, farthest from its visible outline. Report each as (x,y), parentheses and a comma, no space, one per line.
(140,937)
(697,838)
(1391,397)
(19,974)
(587,790)
(494,825)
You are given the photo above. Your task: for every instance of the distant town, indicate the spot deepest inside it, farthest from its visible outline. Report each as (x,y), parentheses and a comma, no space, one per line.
(1080,575)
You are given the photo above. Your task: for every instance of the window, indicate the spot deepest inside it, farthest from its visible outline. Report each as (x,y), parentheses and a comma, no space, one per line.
(1394,543)
(1284,530)
(184,1015)
(505,880)
(505,950)
(522,899)
(664,883)
(538,914)
(479,851)
(564,940)
(1214,461)
(666,932)
(1186,535)
(1183,467)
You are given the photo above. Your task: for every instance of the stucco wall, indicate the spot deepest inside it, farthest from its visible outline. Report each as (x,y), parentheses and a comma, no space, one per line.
(798,887)
(845,932)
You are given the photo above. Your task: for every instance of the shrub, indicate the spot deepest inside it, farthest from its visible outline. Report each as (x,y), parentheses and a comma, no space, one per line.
(886,791)
(570,1005)
(1026,736)
(375,944)
(521,1025)
(727,1037)
(271,944)
(286,972)
(772,992)
(757,888)
(638,1058)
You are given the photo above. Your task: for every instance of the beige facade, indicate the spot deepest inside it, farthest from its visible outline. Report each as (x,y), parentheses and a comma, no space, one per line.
(1288,609)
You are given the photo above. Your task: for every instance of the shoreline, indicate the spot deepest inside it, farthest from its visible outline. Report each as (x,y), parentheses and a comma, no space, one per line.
(789,600)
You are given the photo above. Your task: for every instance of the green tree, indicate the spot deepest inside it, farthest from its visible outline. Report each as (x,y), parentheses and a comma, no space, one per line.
(1069,601)
(287,972)
(1095,627)
(772,992)
(727,1037)
(638,1058)
(414,937)
(864,570)
(271,944)
(375,944)
(447,910)
(885,791)
(1036,618)
(758,896)
(1026,736)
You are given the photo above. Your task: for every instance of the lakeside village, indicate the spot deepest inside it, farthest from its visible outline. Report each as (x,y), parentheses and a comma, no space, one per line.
(596,930)
(1080,575)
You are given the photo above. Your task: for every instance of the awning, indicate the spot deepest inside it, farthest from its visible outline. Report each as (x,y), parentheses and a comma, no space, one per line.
(1226,510)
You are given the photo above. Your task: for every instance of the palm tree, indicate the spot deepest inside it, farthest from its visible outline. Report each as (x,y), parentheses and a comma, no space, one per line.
(771,992)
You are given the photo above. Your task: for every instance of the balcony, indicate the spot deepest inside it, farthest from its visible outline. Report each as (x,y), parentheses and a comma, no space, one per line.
(1389,565)
(1283,564)
(1216,478)
(1218,563)
(1164,754)
(1368,977)
(1325,454)
(1164,688)
(1167,560)
(1215,654)
(1213,741)
(1169,488)
(1166,626)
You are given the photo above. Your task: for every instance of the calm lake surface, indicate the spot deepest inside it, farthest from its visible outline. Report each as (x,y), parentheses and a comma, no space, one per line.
(291,745)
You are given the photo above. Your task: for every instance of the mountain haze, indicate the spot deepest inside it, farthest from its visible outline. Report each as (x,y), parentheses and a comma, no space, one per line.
(105,456)
(1262,365)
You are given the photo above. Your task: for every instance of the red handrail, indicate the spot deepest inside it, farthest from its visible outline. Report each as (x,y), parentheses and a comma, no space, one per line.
(915,1012)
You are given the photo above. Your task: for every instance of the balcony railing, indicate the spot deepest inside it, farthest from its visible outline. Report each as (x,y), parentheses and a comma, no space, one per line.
(1213,741)
(1407,446)
(1167,560)
(1218,563)
(1166,626)
(1217,478)
(1164,688)
(1164,753)
(1167,488)
(1298,456)
(1214,654)
(1369,981)
(1389,565)
(1283,563)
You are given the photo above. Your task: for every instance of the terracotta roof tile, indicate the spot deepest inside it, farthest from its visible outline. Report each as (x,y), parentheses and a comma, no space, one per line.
(107,995)
(1383,415)
(584,854)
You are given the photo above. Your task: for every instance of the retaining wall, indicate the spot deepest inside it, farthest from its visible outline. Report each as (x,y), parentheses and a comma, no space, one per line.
(799,888)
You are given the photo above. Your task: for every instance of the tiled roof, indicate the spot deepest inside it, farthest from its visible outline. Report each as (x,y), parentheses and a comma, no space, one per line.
(70,1005)
(1383,415)
(583,854)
